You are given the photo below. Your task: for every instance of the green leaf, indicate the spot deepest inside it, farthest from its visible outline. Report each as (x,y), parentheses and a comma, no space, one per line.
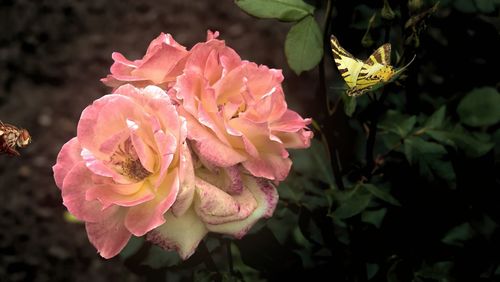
(248,273)
(371,270)
(304,45)
(282,223)
(428,156)
(439,271)
(158,258)
(459,138)
(285,10)
(486,226)
(485,6)
(374,217)
(381,194)
(353,203)
(397,123)
(436,120)
(464,6)
(314,163)
(349,104)
(459,234)
(481,107)
(133,245)
(289,192)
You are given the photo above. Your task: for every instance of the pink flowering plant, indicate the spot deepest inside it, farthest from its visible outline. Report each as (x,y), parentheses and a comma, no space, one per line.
(188,142)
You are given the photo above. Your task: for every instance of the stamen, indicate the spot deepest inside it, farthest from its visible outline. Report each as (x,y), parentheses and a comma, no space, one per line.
(134,169)
(127,163)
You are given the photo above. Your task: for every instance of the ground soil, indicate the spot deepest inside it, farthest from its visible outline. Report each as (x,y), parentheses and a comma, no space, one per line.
(52,55)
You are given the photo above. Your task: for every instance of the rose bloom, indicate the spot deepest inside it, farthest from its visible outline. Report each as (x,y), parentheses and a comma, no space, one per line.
(236,112)
(124,169)
(163,62)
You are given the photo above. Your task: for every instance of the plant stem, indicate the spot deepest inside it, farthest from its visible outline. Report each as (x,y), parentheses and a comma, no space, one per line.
(209,261)
(229,257)
(334,159)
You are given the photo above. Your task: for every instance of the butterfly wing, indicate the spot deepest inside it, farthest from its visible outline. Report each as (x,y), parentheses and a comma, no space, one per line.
(348,66)
(380,56)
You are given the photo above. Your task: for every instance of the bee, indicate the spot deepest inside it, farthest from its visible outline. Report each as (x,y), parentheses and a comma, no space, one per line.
(12,137)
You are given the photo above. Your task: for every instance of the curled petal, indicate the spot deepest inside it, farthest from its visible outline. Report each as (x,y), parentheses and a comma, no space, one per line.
(227,179)
(182,234)
(270,166)
(266,198)
(213,203)
(162,63)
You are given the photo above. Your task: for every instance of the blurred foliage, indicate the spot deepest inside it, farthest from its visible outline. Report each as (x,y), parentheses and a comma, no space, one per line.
(400,184)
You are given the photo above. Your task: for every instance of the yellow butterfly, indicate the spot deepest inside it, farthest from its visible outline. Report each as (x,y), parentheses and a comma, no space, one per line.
(365,76)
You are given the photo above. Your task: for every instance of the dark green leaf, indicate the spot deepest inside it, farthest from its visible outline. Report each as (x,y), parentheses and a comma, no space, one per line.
(290,192)
(485,6)
(465,6)
(248,273)
(353,202)
(300,239)
(282,224)
(392,273)
(133,245)
(158,258)
(397,123)
(459,234)
(371,270)
(374,217)
(481,107)
(381,194)
(439,271)
(285,10)
(436,120)
(349,104)
(312,202)
(428,156)
(314,163)
(486,226)
(304,45)
(459,138)
(204,275)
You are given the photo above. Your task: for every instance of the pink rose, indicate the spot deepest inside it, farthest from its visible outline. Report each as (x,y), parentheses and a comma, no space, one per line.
(236,112)
(126,166)
(163,62)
